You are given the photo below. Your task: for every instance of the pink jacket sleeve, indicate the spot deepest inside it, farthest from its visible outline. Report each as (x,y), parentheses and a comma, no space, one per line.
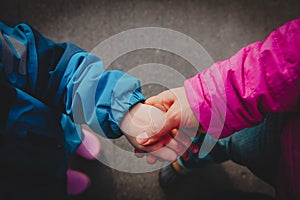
(261,78)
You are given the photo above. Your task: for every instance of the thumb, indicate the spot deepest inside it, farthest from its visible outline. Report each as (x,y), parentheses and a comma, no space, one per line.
(156,102)
(156,131)
(162,101)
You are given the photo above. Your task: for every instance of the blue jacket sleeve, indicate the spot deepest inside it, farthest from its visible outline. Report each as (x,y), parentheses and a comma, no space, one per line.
(96,97)
(67,79)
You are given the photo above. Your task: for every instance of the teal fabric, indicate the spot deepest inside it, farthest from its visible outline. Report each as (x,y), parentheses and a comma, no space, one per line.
(257,148)
(96,97)
(47,91)
(68,81)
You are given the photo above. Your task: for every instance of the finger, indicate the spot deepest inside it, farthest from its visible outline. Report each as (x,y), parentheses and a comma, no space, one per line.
(151,137)
(165,154)
(194,148)
(153,100)
(156,101)
(163,101)
(158,145)
(185,140)
(161,151)
(151,159)
(177,147)
(161,155)
(181,137)
(170,142)
(191,132)
(139,153)
(172,121)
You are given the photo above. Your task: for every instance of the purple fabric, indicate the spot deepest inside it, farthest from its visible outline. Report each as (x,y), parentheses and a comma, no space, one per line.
(237,93)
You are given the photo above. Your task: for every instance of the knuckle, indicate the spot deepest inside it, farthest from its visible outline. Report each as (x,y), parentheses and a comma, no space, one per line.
(177,147)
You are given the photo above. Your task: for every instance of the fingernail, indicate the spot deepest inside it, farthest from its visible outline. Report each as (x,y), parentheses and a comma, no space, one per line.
(142,138)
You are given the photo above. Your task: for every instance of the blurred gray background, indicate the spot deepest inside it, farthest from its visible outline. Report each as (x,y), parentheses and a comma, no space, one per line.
(221,27)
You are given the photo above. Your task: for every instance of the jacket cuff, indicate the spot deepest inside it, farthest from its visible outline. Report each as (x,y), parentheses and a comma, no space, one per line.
(121,104)
(195,94)
(207,98)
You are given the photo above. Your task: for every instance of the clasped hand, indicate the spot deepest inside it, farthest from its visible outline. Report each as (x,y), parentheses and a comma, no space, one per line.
(163,127)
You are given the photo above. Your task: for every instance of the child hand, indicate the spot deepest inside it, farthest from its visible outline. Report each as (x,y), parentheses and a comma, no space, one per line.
(178,116)
(148,119)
